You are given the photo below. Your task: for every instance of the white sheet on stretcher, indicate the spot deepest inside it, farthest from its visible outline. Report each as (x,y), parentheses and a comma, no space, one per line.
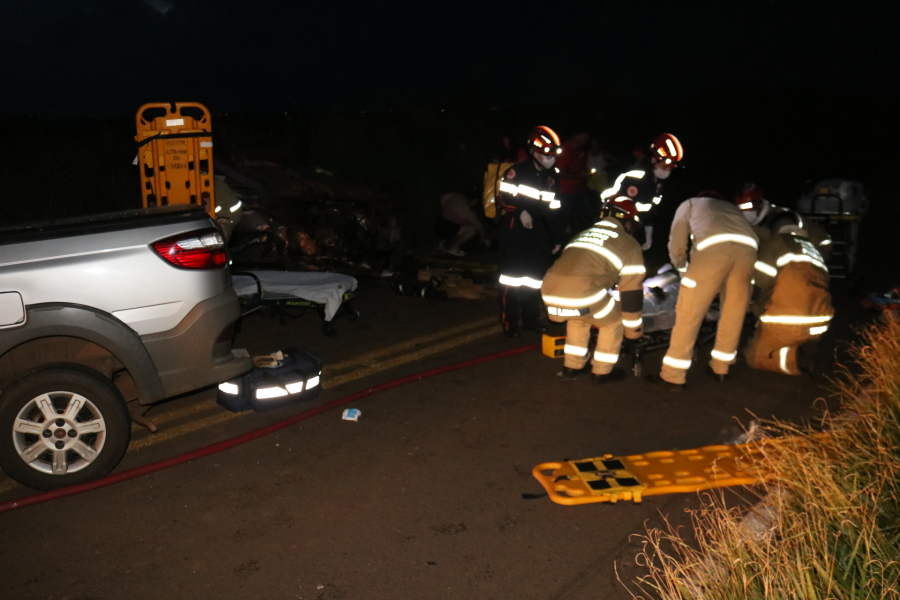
(659,312)
(324,288)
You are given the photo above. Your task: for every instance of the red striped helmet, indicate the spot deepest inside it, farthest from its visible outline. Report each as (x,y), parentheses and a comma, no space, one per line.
(667,149)
(544,140)
(749,197)
(621,208)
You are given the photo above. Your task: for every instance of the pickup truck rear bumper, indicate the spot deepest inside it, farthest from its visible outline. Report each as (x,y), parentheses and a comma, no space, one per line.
(187,356)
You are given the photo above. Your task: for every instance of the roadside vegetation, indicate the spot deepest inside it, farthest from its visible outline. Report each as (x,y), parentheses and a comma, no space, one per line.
(827,524)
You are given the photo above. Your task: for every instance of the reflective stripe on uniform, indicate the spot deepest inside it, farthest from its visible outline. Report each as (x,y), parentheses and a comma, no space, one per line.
(688,282)
(606,309)
(576,302)
(723,356)
(615,188)
(790,257)
(530,192)
(555,204)
(606,358)
(818,330)
(642,207)
(793,319)
(609,254)
(633,270)
(765,268)
(520,281)
(575,350)
(677,363)
(782,360)
(633,324)
(745,206)
(509,188)
(728,237)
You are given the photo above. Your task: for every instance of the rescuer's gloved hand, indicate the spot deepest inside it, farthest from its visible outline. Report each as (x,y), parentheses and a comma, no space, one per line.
(526,219)
(556,249)
(648,236)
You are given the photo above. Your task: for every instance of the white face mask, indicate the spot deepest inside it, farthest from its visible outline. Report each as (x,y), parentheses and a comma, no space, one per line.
(661,173)
(546,160)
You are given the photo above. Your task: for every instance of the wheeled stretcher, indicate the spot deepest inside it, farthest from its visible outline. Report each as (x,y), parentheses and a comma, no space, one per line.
(292,293)
(660,298)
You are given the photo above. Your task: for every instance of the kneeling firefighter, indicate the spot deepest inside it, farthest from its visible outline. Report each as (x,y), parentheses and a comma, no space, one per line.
(578,290)
(794,305)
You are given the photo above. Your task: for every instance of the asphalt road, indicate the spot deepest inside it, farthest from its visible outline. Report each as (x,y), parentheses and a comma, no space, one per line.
(421,498)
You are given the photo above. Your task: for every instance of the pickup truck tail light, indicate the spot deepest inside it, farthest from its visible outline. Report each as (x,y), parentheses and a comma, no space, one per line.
(204,249)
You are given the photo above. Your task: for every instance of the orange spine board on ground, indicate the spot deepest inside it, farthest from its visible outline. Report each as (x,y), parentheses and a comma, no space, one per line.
(611,478)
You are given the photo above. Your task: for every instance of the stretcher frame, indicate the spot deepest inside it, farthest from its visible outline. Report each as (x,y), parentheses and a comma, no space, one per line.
(658,340)
(286,306)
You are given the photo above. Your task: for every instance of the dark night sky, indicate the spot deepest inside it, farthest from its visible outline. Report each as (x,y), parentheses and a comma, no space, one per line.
(104,58)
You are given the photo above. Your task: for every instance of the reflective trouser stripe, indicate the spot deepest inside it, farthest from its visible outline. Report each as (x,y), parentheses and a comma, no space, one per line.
(575,350)
(677,363)
(782,359)
(724,356)
(606,358)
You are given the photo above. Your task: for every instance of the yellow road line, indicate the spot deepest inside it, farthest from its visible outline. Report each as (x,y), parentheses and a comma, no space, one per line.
(168,434)
(406,358)
(194,408)
(405,345)
(199,424)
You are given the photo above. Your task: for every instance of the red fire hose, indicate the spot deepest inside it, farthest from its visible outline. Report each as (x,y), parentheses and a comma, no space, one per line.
(242,439)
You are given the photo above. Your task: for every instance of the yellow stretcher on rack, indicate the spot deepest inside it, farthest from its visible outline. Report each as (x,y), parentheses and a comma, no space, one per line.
(175,154)
(611,478)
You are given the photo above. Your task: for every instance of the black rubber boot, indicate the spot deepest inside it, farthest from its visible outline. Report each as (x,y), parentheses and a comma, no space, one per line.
(616,374)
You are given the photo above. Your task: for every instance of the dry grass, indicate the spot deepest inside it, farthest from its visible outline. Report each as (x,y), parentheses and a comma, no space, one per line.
(827,525)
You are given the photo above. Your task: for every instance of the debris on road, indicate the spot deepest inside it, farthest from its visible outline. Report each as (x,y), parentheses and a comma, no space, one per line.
(351,414)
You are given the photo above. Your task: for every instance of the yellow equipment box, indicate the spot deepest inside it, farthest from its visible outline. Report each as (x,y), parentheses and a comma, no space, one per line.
(553,346)
(612,478)
(175,154)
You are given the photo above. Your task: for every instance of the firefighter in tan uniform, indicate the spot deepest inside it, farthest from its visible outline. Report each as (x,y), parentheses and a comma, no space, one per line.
(794,305)
(578,290)
(761,213)
(721,262)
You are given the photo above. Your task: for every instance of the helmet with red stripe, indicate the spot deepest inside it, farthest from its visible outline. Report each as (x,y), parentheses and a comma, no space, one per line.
(749,196)
(544,140)
(667,150)
(621,208)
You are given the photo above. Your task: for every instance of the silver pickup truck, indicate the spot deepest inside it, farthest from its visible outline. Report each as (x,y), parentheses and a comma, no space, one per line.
(98,312)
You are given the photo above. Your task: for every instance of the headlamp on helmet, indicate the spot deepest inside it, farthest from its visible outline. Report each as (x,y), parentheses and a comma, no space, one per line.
(667,150)
(544,140)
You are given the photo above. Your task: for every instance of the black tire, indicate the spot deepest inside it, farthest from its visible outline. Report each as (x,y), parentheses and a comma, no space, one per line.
(90,418)
(353,315)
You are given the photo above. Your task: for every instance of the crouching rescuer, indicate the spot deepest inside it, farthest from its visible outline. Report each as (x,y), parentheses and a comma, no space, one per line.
(794,305)
(578,290)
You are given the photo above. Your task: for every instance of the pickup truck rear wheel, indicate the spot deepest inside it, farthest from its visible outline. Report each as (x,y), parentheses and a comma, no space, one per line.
(61,426)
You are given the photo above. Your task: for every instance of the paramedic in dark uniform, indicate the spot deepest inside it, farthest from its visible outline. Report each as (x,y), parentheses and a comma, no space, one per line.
(578,290)
(792,299)
(642,183)
(528,234)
